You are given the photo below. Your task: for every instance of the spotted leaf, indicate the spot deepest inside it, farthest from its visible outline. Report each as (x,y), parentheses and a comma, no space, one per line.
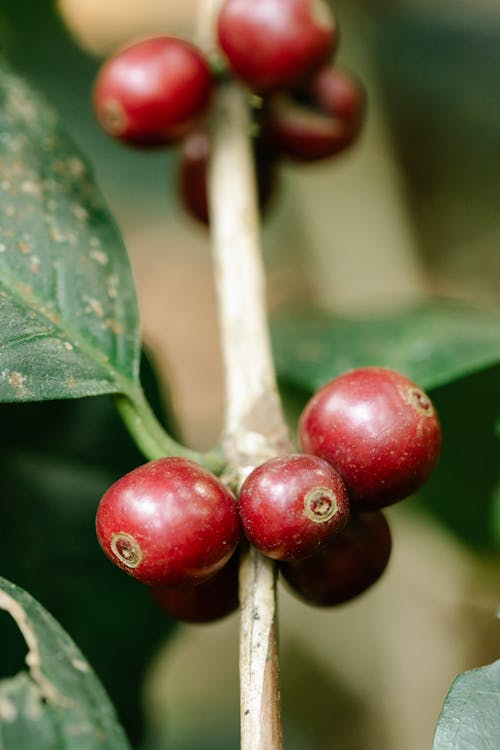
(57,701)
(67,300)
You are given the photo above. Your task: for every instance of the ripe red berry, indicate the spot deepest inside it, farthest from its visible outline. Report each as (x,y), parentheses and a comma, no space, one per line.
(291,505)
(348,565)
(209,601)
(192,175)
(150,93)
(321,120)
(275,43)
(169,522)
(378,429)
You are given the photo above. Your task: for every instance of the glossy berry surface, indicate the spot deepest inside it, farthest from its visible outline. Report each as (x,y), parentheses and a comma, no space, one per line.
(378,429)
(346,567)
(150,93)
(275,43)
(209,601)
(168,522)
(192,176)
(291,505)
(323,119)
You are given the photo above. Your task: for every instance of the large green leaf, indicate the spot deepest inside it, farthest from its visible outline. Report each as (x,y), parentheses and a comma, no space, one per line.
(470,719)
(434,344)
(67,302)
(59,703)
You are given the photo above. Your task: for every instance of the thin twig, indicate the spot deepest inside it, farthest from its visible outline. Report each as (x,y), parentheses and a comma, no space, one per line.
(254,425)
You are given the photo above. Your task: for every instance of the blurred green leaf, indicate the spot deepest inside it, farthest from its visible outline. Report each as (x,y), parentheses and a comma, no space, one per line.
(59,702)
(67,300)
(461,491)
(495,515)
(434,344)
(470,719)
(446,348)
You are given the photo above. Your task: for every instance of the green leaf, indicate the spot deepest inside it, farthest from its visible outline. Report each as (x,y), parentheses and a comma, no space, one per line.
(447,348)
(461,490)
(60,702)
(470,719)
(67,301)
(495,516)
(434,344)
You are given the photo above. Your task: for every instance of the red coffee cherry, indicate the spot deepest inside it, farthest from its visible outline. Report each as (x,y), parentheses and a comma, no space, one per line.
(192,175)
(151,93)
(321,120)
(291,505)
(275,43)
(209,601)
(169,522)
(378,430)
(349,564)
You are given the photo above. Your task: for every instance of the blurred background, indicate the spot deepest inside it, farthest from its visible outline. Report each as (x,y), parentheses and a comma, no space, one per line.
(410,212)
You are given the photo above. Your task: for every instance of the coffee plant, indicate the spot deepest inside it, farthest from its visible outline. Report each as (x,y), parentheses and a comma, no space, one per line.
(89,450)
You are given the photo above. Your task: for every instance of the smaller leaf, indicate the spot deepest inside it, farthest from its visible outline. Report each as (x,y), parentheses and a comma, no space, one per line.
(460,491)
(60,702)
(434,344)
(470,719)
(447,348)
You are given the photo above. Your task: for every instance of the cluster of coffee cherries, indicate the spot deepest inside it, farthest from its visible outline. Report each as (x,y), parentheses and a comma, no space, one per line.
(370,438)
(157,92)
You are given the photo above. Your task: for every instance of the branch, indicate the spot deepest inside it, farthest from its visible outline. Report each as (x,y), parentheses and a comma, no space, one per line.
(254,427)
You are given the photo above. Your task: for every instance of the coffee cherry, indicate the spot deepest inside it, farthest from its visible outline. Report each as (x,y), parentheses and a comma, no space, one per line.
(192,175)
(320,120)
(151,93)
(275,43)
(209,601)
(378,430)
(169,522)
(291,505)
(349,564)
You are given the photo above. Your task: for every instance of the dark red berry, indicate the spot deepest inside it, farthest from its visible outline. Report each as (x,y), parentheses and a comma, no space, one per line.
(348,565)
(209,601)
(323,119)
(337,92)
(192,175)
(291,505)
(151,93)
(169,522)
(275,43)
(378,429)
